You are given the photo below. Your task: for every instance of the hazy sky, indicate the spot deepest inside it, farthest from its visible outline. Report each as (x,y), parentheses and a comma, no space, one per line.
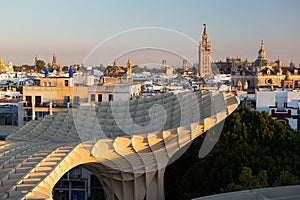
(72,28)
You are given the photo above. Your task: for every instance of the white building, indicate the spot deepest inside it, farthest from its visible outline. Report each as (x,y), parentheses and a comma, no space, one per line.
(113,92)
(283,105)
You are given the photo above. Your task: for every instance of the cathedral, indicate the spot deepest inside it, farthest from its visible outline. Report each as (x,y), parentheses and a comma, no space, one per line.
(261,73)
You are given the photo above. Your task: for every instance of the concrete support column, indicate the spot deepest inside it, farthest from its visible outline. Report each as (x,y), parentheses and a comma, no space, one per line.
(160,184)
(33,109)
(119,185)
(20,114)
(50,108)
(131,186)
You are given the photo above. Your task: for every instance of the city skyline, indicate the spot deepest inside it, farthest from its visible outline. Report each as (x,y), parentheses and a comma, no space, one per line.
(71,29)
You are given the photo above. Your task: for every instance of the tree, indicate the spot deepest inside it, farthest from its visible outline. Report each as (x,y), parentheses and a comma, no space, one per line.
(40,65)
(252,152)
(65,68)
(249,181)
(25,68)
(286,178)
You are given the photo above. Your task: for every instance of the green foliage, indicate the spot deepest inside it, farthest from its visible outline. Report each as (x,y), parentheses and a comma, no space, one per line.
(286,178)
(250,143)
(249,181)
(65,68)
(40,65)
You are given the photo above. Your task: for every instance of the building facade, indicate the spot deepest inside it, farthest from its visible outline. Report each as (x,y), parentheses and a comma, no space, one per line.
(283,105)
(113,92)
(78,183)
(52,95)
(261,73)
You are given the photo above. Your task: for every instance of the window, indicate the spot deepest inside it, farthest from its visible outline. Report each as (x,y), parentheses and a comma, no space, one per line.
(66,82)
(75,173)
(66,100)
(78,184)
(269,81)
(62,184)
(110,97)
(38,100)
(92,97)
(45,83)
(99,97)
(49,84)
(28,100)
(76,100)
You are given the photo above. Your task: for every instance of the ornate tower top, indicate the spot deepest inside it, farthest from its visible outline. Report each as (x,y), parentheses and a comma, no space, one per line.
(204,35)
(262,52)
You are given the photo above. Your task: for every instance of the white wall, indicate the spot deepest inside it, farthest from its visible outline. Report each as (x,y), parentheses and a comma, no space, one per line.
(293,99)
(120,92)
(264,99)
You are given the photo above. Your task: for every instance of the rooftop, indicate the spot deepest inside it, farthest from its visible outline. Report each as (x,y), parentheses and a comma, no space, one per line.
(278,193)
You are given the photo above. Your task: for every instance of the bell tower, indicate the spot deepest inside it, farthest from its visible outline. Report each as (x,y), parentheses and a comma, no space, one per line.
(129,68)
(54,65)
(204,67)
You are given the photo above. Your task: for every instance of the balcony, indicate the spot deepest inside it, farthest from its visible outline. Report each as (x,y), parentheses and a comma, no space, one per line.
(45,106)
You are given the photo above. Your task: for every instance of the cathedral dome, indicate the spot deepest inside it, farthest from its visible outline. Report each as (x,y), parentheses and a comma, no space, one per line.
(262,56)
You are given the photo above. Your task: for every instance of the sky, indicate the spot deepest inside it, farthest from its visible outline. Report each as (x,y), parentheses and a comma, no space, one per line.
(96,32)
